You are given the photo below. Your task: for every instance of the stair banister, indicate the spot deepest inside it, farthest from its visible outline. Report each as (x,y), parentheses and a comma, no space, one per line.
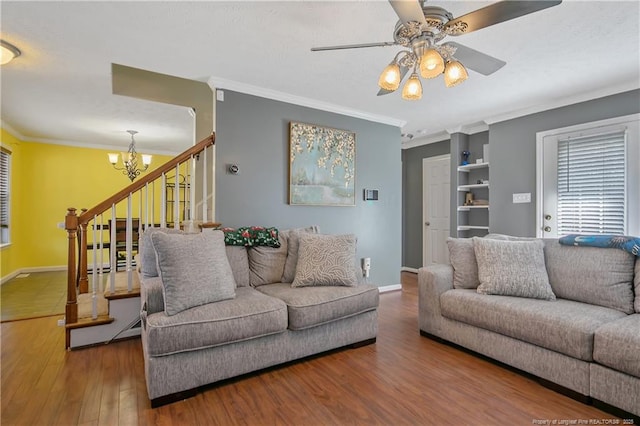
(76,227)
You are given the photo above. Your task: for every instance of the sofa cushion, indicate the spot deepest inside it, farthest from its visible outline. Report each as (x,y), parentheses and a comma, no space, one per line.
(326,260)
(194,269)
(266,264)
(512,268)
(293,243)
(616,345)
(463,259)
(636,283)
(239,262)
(599,276)
(250,315)
(312,306)
(563,326)
(148,261)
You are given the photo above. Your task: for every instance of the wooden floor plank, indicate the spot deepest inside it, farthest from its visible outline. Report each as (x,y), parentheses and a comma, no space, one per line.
(402,379)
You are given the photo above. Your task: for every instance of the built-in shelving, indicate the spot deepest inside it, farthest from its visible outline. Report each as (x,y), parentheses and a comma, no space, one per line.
(470,227)
(473,219)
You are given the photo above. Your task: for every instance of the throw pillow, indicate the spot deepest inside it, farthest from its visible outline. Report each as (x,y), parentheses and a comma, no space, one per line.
(194,269)
(326,260)
(463,259)
(636,283)
(293,242)
(512,268)
(237,237)
(266,264)
(148,261)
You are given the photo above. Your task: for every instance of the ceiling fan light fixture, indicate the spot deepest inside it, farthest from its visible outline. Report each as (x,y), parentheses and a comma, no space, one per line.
(390,77)
(454,73)
(8,52)
(412,90)
(431,64)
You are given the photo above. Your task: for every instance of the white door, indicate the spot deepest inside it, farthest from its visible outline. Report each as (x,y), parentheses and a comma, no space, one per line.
(550,219)
(436,184)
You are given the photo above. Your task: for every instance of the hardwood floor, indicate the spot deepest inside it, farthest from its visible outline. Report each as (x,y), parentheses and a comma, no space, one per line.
(403,379)
(38,294)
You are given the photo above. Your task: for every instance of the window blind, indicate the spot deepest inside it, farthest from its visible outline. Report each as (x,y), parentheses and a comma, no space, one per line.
(591,184)
(4,195)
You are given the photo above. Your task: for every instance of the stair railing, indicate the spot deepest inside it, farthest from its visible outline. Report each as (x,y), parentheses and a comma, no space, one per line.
(144,193)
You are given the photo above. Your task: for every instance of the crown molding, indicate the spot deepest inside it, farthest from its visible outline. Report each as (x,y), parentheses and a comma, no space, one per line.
(426,140)
(559,103)
(9,128)
(220,83)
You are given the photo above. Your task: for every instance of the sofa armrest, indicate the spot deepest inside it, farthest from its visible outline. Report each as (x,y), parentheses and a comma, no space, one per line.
(151,297)
(433,280)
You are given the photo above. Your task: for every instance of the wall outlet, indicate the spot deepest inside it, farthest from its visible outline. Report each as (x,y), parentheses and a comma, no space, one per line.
(61,322)
(366,266)
(524,197)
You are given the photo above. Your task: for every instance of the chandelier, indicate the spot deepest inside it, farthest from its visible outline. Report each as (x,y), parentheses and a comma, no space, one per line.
(130,160)
(428,58)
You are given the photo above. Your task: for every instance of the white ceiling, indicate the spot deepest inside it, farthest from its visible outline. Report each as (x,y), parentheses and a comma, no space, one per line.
(59,90)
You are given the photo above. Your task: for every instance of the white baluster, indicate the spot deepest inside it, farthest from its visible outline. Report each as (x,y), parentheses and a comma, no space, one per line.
(129,245)
(113,251)
(94,275)
(192,189)
(101,249)
(204,186)
(176,199)
(163,202)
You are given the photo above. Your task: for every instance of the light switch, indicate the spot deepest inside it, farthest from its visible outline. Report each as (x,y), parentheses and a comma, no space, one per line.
(523,197)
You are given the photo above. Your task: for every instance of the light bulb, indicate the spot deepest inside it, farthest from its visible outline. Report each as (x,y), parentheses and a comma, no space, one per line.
(390,77)
(431,64)
(412,90)
(454,73)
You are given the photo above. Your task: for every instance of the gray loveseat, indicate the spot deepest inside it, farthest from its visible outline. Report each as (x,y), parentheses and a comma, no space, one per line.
(266,322)
(586,340)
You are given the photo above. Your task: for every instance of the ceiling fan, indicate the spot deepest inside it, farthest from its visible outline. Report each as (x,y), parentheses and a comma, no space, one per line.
(422,28)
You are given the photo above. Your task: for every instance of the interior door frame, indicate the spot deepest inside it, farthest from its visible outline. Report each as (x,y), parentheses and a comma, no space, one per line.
(424,210)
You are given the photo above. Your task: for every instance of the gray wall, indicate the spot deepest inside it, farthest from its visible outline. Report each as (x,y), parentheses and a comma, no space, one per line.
(513,156)
(412,199)
(253,132)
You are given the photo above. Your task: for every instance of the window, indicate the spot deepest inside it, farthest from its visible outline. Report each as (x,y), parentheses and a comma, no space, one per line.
(5,157)
(588,178)
(591,184)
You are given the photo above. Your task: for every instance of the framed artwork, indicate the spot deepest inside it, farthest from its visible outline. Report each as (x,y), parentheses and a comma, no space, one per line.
(322,164)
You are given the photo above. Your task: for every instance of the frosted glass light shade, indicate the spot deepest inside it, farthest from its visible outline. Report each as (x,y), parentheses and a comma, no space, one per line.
(412,90)
(7,52)
(390,77)
(454,73)
(113,158)
(431,64)
(146,159)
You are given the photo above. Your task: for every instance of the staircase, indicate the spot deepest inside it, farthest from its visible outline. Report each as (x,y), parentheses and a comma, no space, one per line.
(103,298)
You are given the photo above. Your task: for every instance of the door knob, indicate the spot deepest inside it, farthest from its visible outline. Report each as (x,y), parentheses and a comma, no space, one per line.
(427,223)
(547,217)
(547,229)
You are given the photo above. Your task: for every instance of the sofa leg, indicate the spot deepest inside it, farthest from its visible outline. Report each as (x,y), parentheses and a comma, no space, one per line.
(363,343)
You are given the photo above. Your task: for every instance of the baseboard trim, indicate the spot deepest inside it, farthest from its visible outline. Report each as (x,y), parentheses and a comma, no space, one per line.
(388,288)
(15,273)
(409,269)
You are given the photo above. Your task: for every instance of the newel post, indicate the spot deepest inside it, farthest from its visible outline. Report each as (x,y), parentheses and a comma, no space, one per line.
(83,281)
(71,309)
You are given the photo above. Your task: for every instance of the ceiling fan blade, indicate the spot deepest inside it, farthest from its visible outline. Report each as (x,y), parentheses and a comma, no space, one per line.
(408,11)
(496,13)
(403,73)
(477,61)
(354,46)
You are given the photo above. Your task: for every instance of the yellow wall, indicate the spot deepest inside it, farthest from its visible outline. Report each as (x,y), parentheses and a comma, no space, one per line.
(46,180)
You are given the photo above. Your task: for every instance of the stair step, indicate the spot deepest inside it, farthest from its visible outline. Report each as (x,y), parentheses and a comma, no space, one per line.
(121,291)
(90,322)
(85,306)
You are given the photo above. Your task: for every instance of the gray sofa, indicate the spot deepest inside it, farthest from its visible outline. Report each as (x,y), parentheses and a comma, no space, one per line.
(587,340)
(267,322)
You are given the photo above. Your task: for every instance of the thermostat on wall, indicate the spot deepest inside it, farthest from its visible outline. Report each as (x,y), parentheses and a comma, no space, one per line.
(370,194)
